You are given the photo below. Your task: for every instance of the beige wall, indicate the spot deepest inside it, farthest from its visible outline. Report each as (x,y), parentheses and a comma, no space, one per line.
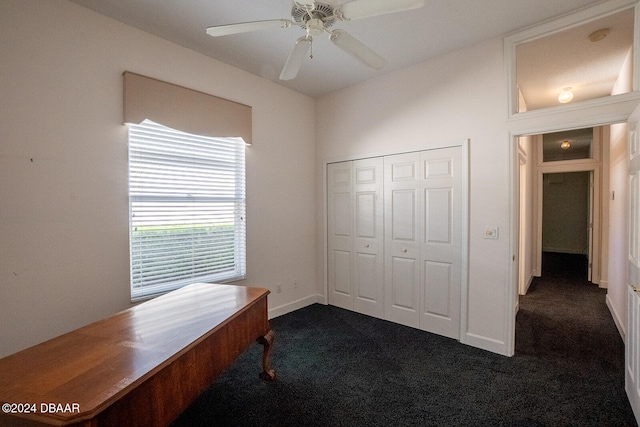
(63,168)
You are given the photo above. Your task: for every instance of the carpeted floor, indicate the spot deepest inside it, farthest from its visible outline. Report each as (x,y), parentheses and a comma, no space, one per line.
(339,368)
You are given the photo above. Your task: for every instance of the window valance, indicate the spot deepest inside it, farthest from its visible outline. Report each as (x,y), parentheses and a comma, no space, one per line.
(184,109)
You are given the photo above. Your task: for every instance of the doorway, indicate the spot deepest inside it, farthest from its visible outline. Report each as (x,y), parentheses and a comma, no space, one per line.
(563,206)
(566,224)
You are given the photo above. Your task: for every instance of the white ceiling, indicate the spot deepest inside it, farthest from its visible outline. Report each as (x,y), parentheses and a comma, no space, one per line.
(404,38)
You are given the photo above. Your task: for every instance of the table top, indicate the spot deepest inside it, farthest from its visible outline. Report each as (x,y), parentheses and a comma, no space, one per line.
(94,365)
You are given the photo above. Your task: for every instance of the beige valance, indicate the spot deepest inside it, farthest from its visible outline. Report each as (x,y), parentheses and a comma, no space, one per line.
(184,109)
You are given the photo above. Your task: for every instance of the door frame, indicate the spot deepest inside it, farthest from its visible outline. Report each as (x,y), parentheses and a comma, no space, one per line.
(431,145)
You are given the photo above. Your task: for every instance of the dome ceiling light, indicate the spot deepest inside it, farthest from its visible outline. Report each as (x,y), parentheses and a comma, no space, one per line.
(566,95)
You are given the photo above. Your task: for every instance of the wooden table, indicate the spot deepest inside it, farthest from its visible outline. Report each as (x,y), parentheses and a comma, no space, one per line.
(140,367)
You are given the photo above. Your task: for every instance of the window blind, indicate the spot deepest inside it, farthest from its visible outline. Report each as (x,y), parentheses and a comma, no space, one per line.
(187,209)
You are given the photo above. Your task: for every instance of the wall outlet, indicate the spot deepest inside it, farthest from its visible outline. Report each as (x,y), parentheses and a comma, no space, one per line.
(279,288)
(295,284)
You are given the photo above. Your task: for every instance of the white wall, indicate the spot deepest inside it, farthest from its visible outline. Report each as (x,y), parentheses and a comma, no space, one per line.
(63,168)
(457,96)
(618,226)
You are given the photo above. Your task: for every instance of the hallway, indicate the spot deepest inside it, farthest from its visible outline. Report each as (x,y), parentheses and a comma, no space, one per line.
(564,321)
(565,317)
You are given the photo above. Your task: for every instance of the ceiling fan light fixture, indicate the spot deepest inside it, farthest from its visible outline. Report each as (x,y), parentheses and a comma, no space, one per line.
(566,95)
(565,145)
(315,27)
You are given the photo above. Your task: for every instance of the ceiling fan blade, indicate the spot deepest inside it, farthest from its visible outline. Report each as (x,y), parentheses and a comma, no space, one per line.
(357,9)
(297,55)
(245,27)
(357,49)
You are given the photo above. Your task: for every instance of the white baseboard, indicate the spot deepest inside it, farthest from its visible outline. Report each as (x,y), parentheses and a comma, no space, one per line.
(295,305)
(620,323)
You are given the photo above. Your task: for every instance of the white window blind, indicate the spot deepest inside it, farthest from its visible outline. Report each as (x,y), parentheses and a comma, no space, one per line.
(187,209)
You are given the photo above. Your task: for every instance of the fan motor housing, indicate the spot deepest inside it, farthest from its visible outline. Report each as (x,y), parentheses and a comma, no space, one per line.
(321,11)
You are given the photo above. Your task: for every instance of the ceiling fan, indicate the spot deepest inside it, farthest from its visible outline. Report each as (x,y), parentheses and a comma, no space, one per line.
(316,17)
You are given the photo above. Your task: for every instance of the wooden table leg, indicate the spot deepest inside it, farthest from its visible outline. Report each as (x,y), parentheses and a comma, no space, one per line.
(267,373)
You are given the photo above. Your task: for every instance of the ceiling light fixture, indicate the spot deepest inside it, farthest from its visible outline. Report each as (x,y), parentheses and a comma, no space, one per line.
(565,145)
(566,95)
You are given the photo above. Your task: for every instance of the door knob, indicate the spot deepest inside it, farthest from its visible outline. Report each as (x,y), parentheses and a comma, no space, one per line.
(404,250)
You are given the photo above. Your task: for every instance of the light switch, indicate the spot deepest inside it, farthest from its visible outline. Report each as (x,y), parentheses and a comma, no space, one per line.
(491,232)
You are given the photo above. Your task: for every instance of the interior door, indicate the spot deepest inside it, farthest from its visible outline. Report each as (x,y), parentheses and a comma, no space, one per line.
(368,243)
(340,235)
(441,236)
(402,242)
(632,355)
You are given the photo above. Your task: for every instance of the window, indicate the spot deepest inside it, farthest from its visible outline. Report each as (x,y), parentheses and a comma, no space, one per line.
(187,209)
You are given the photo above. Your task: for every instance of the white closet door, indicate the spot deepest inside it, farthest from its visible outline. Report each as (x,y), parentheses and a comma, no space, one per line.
(340,235)
(368,242)
(441,241)
(402,238)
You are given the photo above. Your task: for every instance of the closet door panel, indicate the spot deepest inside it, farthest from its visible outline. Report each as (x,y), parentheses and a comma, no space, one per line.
(441,241)
(340,234)
(403,298)
(368,242)
(437,288)
(402,243)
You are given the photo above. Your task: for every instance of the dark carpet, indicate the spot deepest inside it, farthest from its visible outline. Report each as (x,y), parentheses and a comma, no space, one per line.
(338,368)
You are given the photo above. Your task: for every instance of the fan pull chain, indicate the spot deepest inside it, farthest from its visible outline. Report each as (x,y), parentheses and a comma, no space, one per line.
(311,46)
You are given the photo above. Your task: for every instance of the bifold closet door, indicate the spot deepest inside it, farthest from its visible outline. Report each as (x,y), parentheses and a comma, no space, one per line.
(355,236)
(423,239)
